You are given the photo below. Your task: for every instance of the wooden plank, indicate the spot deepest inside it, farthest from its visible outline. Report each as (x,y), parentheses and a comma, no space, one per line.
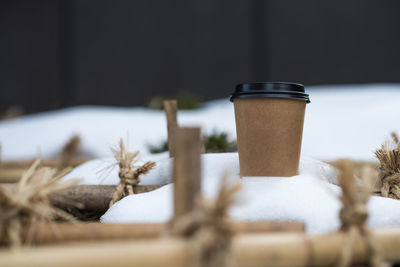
(171,108)
(187,170)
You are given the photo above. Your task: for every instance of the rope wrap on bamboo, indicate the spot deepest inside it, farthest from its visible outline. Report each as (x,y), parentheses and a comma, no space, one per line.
(209,228)
(28,204)
(353,216)
(129,174)
(389,169)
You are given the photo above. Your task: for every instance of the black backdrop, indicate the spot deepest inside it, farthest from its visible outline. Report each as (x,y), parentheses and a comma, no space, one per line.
(121,52)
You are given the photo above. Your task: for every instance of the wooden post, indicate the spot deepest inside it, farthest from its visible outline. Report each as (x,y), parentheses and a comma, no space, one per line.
(187,170)
(171,108)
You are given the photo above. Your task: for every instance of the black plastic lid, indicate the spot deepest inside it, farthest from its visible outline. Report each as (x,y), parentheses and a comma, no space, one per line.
(272,89)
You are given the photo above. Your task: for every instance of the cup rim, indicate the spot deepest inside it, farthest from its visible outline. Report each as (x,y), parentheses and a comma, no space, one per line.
(287,90)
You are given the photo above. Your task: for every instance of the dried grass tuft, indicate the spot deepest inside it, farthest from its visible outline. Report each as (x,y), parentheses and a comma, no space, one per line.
(129,174)
(26,205)
(70,151)
(389,168)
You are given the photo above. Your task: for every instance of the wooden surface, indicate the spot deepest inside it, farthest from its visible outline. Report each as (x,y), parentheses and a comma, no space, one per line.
(187,170)
(95,198)
(171,109)
(74,232)
(44,162)
(11,171)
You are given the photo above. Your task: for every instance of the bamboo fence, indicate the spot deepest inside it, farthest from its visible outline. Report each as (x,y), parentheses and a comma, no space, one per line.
(253,244)
(261,249)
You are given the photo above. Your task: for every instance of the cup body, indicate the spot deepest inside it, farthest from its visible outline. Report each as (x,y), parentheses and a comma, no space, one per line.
(269,135)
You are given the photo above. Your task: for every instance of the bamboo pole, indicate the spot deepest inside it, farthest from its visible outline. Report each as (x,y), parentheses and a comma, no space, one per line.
(51,162)
(68,232)
(280,249)
(171,108)
(94,198)
(187,170)
(11,175)
(11,171)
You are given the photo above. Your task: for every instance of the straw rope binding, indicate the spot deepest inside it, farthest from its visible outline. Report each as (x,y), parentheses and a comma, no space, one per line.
(129,174)
(353,216)
(389,168)
(209,228)
(26,205)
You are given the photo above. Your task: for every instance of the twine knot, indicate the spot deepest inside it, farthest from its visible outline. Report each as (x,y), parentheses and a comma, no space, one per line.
(128,177)
(129,174)
(209,228)
(353,216)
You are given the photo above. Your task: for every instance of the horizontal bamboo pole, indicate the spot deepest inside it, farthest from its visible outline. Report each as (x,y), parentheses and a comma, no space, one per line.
(11,175)
(67,232)
(280,249)
(11,171)
(72,232)
(94,198)
(52,162)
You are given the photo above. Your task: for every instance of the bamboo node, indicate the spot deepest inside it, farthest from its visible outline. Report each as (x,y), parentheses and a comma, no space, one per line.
(208,227)
(129,174)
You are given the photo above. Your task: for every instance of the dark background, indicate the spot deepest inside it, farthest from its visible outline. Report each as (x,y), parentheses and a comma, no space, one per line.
(61,53)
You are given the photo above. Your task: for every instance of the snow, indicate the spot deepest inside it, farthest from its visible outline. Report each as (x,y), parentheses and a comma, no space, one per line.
(341,121)
(156,206)
(305,198)
(105,172)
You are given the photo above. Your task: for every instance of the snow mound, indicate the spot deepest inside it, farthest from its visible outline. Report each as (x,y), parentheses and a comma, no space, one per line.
(310,197)
(104,171)
(303,198)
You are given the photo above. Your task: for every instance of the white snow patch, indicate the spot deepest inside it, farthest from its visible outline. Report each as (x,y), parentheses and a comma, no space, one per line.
(104,170)
(341,121)
(301,198)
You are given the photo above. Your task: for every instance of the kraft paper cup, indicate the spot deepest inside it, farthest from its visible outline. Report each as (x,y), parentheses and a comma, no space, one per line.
(269,126)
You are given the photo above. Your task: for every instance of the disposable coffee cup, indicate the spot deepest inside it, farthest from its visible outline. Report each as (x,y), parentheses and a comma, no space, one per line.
(269,127)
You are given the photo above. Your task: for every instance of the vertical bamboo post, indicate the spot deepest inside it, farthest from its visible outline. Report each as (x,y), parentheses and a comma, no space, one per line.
(171,107)
(187,170)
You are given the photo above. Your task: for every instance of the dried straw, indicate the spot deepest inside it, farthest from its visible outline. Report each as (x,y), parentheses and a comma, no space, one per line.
(209,228)
(389,169)
(26,205)
(129,174)
(353,216)
(70,151)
